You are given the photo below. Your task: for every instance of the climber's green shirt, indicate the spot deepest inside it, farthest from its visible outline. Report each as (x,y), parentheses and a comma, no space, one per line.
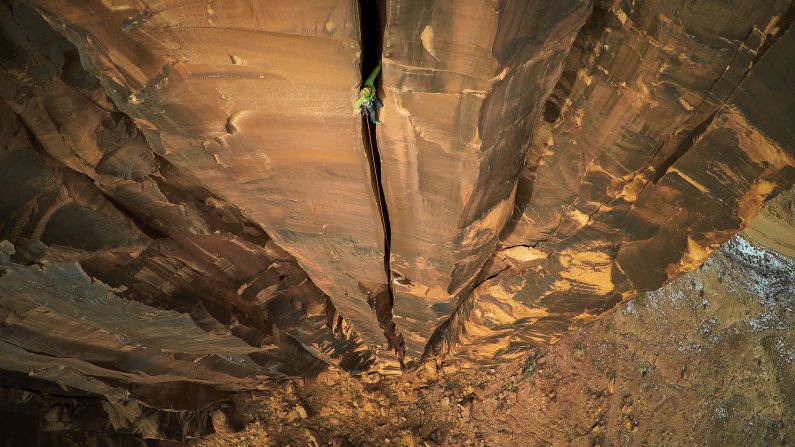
(367,92)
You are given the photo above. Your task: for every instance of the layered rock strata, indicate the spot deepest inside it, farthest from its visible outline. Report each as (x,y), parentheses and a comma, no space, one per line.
(255,101)
(464,84)
(668,130)
(84,186)
(539,164)
(774,226)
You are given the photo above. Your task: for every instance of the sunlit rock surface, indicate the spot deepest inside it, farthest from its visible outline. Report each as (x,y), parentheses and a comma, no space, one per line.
(83,185)
(254,100)
(774,226)
(668,130)
(464,83)
(540,164)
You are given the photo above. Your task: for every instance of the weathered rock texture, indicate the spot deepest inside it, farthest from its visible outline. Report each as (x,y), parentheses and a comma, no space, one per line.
(540,162)
(59,416)
(774,226)
(60,326)
(668,130)
(464,83)
(87,188)
(254,100)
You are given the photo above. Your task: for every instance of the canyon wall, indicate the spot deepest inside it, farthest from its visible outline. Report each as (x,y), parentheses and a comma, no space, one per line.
(668,130)
(198,167)
(464,84)
(254,100)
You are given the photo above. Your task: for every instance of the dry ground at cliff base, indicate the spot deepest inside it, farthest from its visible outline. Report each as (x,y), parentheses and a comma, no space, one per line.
(708,360)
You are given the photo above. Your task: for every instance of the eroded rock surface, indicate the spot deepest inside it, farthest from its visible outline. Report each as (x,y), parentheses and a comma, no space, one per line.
(540,163)
(774,226)
(254,100)
(89,189)
(705,360)
(662,138)
(464,83)
(132,342)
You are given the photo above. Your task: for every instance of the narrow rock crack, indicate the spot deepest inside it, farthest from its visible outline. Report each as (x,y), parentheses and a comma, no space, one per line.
(372,38)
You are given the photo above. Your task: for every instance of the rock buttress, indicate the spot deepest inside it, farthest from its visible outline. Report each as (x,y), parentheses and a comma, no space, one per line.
(255,101)
(669,129)
(79,176)
(464,82)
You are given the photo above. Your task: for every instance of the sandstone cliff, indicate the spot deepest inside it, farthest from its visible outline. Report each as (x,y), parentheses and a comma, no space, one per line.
(196,170)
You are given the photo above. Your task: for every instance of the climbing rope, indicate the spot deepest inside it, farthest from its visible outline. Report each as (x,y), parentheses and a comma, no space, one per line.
(400,348)
(377,176)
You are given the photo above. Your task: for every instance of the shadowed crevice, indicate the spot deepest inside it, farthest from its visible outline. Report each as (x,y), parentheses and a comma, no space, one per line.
(381,302)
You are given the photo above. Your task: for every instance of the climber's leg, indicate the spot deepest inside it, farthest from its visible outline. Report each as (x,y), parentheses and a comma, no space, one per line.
(371,114)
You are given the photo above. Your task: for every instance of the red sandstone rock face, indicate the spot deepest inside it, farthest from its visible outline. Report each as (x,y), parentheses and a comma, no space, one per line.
(254,100)
(88,189)
(658,146)
(774,226)
(540,163)
(464,83)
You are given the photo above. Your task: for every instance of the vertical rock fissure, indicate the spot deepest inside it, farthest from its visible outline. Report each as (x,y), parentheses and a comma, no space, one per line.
(375,161)
(372,39)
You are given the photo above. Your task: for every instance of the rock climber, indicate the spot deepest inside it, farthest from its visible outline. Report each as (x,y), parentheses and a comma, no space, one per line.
(368,102)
